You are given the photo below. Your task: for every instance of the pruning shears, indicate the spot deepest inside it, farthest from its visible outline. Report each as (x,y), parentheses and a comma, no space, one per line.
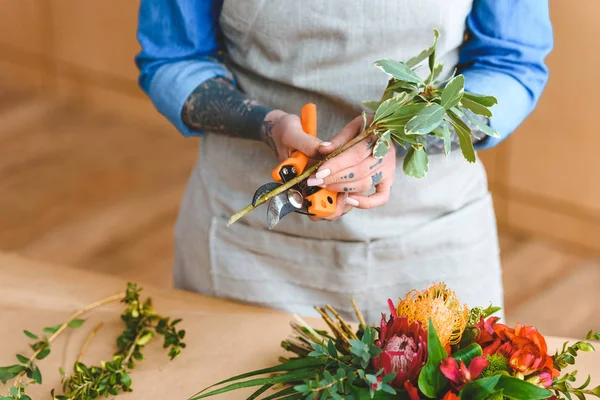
(300,198)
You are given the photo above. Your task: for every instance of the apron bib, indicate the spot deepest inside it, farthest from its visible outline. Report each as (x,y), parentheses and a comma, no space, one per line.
(441,228)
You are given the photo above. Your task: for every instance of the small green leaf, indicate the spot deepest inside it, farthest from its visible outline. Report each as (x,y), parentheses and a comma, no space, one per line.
(413,62)
(51,329)
(14,391)
(464,137)
(425,121)
(447,139)
(416,163)
(483,127)
(61,371)
(30,335)
(37,375)
(43,353)
(76,323)
(22,359)
(479,388)
(518,389)
(437,71)
(390,106)
(468,354)
(431,379)
(380,150)
(453,92)
(476,107)
(487,101)
(371,105)
(398,70)
(145,338)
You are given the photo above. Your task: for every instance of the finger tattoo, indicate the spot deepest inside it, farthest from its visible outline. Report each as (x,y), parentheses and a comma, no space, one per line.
(377,178)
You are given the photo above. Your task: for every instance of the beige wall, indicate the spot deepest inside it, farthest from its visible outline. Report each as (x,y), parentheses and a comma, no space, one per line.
(545,179)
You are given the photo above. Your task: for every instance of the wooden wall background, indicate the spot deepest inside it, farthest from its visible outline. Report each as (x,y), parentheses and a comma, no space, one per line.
(545,179)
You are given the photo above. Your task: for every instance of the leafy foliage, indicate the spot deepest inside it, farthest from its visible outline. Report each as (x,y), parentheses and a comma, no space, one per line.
(110,378)
(441,103)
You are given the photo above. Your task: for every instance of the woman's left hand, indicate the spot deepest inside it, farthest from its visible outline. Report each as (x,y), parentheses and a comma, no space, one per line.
(355,172)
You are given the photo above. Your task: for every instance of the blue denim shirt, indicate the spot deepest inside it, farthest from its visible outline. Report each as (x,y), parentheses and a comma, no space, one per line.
(181,42)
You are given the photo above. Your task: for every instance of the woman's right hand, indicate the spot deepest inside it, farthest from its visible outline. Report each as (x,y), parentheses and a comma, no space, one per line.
(283,133)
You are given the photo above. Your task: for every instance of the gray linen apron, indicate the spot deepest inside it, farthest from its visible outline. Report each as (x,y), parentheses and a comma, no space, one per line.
(441,228)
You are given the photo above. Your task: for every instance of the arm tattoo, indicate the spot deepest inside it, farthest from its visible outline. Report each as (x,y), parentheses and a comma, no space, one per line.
(216,106)
(436,146)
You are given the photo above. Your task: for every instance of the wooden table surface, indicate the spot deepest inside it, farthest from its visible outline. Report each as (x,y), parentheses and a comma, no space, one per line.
(223,338)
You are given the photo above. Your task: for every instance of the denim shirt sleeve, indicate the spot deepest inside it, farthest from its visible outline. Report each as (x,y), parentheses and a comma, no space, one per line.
(181,46)
(504,57)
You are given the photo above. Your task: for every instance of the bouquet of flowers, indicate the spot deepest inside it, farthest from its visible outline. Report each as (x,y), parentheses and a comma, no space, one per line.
(430,347)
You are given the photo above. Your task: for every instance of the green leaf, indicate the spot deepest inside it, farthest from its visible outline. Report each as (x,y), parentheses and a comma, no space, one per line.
(37,375)
(30,335)
(280,394)
(398,70)
(52,329)
(483,127)
(453,92)
(447,139)
(14,391)
(467,354)
(390,106)
(479,388)
(487,101)
(518,389)
(437,71)
(61,371)
(431,379)
(426,120)
(416,163)
(289,377)
(413,62)
(382,146)
(76,323)
(310,362)
(371,105)
(22,359)
(464,137)
(43,353)
(476,107)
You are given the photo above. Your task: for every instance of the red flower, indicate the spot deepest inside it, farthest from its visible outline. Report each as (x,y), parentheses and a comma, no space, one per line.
(413,392)
(404,348)
(460,376)
(450,396)
(524,347)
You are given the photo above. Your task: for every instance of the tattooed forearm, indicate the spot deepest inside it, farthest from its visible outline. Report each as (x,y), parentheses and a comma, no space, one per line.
(436,146)
(216,106)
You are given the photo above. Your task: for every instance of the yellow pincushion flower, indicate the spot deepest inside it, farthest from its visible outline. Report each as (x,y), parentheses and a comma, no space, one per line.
(439,304)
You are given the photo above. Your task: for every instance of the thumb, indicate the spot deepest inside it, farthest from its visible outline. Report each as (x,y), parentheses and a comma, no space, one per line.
(344,136)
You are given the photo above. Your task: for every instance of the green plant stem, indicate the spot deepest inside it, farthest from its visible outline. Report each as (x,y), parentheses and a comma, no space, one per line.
(363,135)
(88,339)
(64,326)
(133,346)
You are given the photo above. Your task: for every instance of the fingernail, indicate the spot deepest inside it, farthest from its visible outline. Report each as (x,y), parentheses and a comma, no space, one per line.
(352,202)
(323,174)
(325,144)
(314,182)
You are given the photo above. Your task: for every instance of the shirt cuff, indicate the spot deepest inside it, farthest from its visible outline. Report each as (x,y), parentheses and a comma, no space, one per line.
(514,102)
(173,83)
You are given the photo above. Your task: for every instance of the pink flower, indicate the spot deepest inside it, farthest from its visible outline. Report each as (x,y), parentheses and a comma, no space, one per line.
(404,348)
(461,375)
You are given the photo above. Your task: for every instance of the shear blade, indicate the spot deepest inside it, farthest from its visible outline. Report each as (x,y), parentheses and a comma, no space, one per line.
(279,206)
(264,189)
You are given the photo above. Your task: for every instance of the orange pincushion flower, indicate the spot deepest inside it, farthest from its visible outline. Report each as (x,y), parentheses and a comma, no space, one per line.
(439,304)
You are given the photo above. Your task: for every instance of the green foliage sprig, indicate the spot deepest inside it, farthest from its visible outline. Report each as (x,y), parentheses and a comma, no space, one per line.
(410,109)
(566,357)
(142,324)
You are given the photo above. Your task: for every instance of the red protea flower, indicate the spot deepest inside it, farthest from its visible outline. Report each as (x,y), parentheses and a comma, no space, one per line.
(404,348)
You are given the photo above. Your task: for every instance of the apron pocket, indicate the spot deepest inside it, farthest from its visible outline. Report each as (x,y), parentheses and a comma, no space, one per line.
(285,272)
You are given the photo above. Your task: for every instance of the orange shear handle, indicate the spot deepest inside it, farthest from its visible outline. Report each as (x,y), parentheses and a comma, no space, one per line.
(298,160)
(324,202)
